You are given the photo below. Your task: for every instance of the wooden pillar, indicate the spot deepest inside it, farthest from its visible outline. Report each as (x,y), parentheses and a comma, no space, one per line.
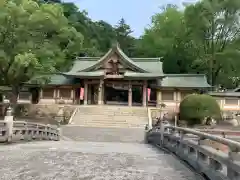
(159,97)
(72,96)
(130,93)
(89,93)
(144,99)
(179,96)
(85,93)
(41,94)
(177,99)
(103,93)
(100,92)
(58,93)
(55,93)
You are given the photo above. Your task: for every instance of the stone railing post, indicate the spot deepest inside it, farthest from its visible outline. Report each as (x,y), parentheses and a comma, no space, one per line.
(59,133)
(8,119)
(181,134)
(150,126)
(233,155)
(162,129)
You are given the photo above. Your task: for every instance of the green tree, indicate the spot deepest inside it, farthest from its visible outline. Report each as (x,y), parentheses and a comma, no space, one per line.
(98,36)
(35,41)
(213,25)
(50,1)
(167,38)
(124,38)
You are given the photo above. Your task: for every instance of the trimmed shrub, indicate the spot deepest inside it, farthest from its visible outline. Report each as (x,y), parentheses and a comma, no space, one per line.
(195,107)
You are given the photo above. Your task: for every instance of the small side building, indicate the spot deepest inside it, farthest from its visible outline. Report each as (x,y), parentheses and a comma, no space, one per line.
(228,100)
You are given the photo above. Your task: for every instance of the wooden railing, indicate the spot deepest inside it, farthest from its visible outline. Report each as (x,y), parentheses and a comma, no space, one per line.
(20,130)
(190,146)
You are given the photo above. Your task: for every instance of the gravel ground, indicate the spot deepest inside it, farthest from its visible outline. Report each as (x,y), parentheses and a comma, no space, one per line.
(71,160)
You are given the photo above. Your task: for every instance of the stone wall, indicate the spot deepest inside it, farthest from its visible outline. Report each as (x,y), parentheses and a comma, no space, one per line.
(43,113)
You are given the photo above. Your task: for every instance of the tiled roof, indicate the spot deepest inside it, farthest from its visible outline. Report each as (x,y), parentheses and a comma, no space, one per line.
(225,94)
(60,80)
(184,80)
(85,74)
(134,75)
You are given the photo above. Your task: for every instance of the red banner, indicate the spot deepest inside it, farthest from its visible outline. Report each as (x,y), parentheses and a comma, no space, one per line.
(149,93)
(81,93)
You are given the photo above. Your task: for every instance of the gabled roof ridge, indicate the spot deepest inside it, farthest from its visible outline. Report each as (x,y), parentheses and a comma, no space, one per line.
(129,59)
(117,49)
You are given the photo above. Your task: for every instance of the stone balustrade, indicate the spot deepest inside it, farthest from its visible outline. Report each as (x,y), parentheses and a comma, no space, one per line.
(189,145)
(13,131)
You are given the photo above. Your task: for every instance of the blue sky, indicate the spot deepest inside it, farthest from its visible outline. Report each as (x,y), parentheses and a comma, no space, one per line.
(137,13)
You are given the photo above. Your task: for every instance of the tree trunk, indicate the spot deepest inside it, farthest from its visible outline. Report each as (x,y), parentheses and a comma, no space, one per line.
(14,98)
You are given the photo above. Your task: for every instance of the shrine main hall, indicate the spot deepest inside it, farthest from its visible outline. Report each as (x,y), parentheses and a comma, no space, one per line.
(118,79)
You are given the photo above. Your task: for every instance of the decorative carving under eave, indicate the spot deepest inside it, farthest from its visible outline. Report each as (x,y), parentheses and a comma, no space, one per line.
(114,67)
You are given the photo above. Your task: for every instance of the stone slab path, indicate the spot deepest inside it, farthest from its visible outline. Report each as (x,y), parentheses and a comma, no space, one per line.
(96,134)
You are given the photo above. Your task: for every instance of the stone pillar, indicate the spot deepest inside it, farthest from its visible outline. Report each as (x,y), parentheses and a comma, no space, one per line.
(144,94)
(159,97)
(130,93)
(233,156)
(100,92)
(8,119)
(85,93)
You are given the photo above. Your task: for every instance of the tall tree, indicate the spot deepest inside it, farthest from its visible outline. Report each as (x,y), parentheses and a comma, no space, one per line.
(124,38)
(214,27)
(167,38)
(35,40)
(98,36)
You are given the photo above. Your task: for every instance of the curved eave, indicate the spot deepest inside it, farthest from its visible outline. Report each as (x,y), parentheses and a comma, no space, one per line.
(177,87)
(140,76)
(84,74)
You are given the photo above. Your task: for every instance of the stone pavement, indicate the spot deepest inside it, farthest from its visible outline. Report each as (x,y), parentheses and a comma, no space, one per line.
(69,160)
(91,154)
(79,133)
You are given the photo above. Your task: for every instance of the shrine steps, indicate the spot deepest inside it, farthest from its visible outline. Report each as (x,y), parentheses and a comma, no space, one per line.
(111,116)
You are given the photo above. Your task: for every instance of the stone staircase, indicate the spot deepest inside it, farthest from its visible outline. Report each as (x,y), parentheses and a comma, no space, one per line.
(111,116)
